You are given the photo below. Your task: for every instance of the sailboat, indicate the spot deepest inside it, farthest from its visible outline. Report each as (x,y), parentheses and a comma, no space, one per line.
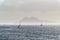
(19,26)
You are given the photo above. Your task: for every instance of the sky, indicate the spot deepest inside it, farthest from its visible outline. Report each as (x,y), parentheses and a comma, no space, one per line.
(12,11)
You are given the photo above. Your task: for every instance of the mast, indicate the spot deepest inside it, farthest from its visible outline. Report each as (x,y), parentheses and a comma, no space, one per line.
(19,25)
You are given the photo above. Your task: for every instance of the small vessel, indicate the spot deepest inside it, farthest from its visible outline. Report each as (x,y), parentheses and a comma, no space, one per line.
(19,26)
(41,25)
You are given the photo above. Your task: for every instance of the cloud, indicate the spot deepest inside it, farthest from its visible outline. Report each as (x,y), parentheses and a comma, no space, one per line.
(9,9)
(1,2)
(29,5)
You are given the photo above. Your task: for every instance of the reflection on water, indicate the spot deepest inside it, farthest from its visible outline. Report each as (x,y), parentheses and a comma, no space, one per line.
(29,33)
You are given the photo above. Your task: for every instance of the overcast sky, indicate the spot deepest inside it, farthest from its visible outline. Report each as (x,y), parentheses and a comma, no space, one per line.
(15,10)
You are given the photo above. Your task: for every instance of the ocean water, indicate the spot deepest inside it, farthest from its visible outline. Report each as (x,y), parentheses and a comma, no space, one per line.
(12,32)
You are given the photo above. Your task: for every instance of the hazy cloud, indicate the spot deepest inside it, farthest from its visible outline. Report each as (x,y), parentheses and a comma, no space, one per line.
(13,10)
(28,5)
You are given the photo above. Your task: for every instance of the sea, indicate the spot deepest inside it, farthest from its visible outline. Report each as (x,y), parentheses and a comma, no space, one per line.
(29,32)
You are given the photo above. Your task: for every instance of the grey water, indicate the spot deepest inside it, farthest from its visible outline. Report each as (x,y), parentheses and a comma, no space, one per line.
(12,32)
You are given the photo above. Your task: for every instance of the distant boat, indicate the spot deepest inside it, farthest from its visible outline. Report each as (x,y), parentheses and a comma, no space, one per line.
(19,26)
(41,25)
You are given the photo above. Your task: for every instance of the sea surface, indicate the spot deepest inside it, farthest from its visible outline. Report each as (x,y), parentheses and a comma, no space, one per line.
(25,32)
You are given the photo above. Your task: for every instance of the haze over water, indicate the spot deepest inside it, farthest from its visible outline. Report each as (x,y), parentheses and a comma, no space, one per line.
(29,19)
(11,11)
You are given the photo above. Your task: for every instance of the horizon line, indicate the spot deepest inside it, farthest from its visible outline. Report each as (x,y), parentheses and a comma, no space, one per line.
(29,23)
